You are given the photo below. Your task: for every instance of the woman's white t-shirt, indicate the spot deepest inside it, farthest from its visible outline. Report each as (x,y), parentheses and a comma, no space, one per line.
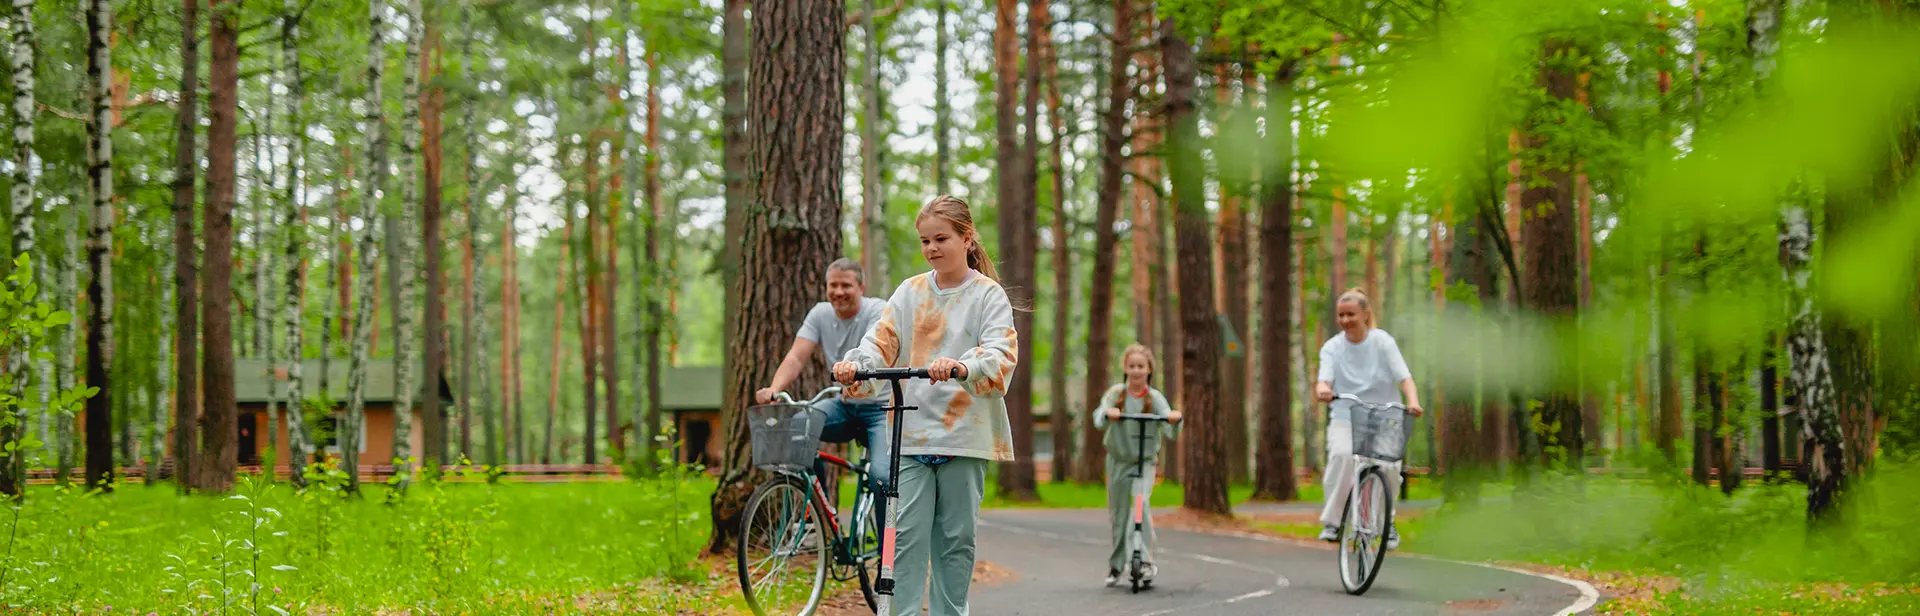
(1371,370)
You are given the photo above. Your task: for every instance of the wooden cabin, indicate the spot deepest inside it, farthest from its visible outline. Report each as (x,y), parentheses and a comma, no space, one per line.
(255,380)
(691,396)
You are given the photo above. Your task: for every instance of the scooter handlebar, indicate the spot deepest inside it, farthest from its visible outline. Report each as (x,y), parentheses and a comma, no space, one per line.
(898,374)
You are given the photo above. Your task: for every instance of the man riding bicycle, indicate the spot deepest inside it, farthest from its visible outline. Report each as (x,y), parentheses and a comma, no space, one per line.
(833,327)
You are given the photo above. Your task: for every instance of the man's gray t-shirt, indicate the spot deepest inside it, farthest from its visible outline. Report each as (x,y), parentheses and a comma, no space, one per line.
(1371,370)
(835,335)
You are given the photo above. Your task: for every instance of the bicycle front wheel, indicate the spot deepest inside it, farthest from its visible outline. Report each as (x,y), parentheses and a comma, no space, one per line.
(782,555)
(1363,531)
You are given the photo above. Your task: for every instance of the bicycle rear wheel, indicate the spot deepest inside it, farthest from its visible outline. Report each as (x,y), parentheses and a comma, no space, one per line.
(1363,531)
(866,545)
(782,555)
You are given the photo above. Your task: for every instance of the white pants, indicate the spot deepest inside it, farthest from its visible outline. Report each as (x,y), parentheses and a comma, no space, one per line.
(1341,468)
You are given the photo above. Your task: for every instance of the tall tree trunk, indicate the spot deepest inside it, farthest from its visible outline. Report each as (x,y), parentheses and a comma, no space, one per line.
(1770,408)
(219,445)
(873,220)
(514,421)
(405,355)
(470,296)
(797,170)
(617,198)
(432,423)
(1552,274)
(655,273)
(560,286)
(1273,477)
(23,209)
(1100,305)
(1204,470)
(300,444)
(370,217)
(1017,166)
(66,346)
(942,108)
(586,268)
(100,465)
(1232,293)
(1062,413)
(157,418)
(1706,397)
(736,151)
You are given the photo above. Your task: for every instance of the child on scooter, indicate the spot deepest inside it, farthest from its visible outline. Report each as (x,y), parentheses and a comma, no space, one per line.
(1124,452)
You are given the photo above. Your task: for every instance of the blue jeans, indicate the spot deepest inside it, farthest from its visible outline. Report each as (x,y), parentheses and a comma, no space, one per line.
(861,421)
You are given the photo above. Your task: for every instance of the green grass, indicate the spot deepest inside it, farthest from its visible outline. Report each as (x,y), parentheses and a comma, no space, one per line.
(444,548)
(1752,552)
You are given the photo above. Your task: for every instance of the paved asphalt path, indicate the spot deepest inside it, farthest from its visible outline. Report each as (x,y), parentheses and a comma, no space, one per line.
(1057,560)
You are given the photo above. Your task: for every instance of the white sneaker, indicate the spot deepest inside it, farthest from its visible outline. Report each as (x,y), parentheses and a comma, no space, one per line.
(1330,534)
(1113,578)
(1393,538)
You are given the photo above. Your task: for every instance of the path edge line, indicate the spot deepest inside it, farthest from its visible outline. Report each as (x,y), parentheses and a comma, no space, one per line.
(1589,596)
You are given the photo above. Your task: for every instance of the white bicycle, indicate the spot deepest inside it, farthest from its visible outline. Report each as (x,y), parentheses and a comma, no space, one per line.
(1379,439)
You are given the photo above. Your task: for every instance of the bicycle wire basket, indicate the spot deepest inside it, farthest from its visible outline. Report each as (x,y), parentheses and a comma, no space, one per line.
(1379,432)
(786,437)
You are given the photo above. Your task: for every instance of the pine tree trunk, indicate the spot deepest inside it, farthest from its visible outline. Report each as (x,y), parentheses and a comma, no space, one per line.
(470,295)
(1232,294)
(23,209)
(873,219)
(942,108)
(1273,475)
(514,421)
(1706,398)
(1062,413)
(219,445)
(370,217)
(656,276)
(736,150)
(617,199)
(561,283)
(797,169)
(1093,454)
(1017,164)
(433,424)
(1552,275)
(1204,469)
(406,356)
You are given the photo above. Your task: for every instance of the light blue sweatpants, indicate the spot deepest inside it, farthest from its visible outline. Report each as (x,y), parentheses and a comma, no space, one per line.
(934,553)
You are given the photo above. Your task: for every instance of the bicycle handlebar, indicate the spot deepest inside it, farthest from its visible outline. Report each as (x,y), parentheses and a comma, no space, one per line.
(1377,405)
(824,393)
(897,374)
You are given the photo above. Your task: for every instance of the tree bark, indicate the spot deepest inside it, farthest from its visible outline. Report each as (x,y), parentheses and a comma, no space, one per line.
(736,151)
(470,297)
(942,108)
(1552,274)
(1273,475)
(1204,470)
(1016,177)
(370,217)
(100,465)
(1062,413)
(873,219)
(797,173)
(1232,292)
(23,208)
(656,318)
(432,423)
(300,444)
(219,446)
(405,355)
(1093,453)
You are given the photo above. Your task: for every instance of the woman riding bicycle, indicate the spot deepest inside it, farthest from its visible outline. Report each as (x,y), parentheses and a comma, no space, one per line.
(955,317)
(1365,362)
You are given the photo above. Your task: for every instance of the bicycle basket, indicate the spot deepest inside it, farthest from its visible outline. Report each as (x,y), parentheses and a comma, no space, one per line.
(785,436)
(1379,433)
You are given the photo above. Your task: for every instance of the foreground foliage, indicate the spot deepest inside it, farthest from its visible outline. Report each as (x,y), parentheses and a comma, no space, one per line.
(444,547)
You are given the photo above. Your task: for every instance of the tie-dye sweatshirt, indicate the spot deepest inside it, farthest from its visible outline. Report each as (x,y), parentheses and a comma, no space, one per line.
(973,323)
